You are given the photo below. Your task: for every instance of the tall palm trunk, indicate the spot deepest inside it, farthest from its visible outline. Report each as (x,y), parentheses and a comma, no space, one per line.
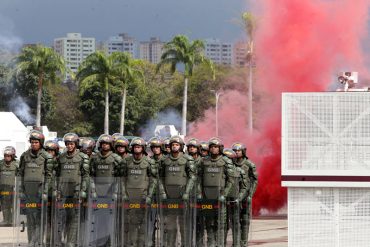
(184,106)
(250,87)
(106,116)
(39,94)
(123,107)
(250,98)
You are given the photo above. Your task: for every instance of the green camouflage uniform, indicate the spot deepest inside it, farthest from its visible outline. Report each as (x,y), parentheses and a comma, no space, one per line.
(72,176)
(103,170)
(250,169)
(238,193)
(217,180)
(178,176)
(135,189)
(35,172)
(7,183)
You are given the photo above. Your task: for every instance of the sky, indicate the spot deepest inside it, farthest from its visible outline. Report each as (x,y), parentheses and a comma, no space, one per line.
(40,21)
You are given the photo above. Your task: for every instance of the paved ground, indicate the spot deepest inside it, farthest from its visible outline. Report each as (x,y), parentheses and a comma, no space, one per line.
(264,232)
(269,232)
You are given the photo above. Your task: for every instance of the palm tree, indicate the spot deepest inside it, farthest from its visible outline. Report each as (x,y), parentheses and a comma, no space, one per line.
(98,67)
(181,51)
(249,24)
(45,64)
(127,74)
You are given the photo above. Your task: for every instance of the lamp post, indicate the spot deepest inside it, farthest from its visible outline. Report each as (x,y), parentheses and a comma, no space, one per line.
(217,95)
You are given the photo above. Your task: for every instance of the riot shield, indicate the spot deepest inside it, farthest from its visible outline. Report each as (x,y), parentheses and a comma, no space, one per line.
(213,210)
(138,219)
(30,216)
(101,212)
(177,225)
(153,232)
(66,208)
(7,200)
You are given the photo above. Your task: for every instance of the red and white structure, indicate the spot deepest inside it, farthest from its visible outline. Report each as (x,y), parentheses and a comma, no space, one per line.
(326,167)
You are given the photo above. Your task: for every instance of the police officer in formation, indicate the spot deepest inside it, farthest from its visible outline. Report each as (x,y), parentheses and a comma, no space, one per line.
(137,171)
(242,161)
(52,147)
(87,146)
(177,173)
(104,169)
(35,172)
(121,146)
(72,177)
(221,181)
(8,171)
(156,147)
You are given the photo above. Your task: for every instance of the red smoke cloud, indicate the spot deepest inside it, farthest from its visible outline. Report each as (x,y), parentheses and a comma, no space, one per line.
(301,45)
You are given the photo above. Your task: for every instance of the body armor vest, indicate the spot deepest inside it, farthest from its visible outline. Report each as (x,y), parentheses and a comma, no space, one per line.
(137,181)
(234,191)
(70,173)
(104,165)
(175,176)
(213,177)
(243,164)
(8,173)
(34,167)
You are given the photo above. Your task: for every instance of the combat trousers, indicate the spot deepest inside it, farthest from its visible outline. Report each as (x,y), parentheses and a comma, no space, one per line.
(245,222)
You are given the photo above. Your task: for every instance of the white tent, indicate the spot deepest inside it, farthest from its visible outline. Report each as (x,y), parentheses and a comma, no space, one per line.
(12,133)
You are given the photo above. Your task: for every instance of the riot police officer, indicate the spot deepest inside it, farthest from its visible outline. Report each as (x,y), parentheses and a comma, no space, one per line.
(105,163)
(137,171)
(88,146)
(249,168)
(52,147)
(156,146)
(204,149)
(178,174)
(8,170)
(72,176)
(166,146)
(216,173)
(193,148)
(35,172)
(115,136)
(104,170)
(237,194)
(121,146)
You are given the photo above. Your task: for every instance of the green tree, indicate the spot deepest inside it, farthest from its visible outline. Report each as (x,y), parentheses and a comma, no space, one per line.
(249,23)
(189,53)
(45,65)
(144,100)
(98,67)
(66,115)
(5,92)
(127,75)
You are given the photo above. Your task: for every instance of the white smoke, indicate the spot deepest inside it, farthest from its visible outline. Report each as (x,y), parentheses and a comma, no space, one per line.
(166,117)
(9,43)
(22,110)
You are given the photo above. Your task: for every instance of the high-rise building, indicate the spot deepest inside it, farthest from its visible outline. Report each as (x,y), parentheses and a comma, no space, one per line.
(240,53)
(122,43)
(151,50)
(74,49)
(218,52)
